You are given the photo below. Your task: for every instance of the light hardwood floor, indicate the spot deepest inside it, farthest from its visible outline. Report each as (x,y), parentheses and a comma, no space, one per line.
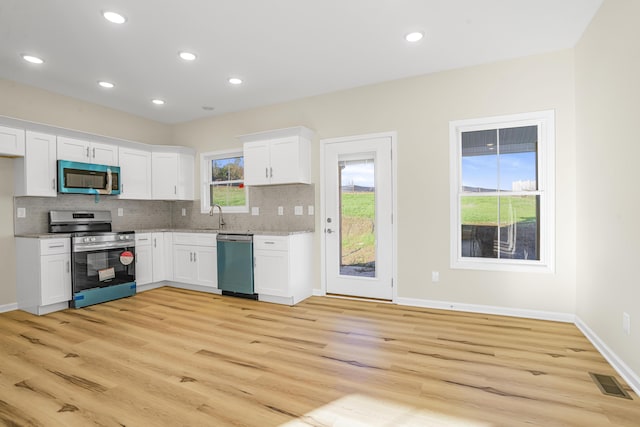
(171,357)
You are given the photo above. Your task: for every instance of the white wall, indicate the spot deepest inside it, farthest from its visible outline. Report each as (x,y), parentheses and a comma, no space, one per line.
(36,105)
(608,159)
(420,109)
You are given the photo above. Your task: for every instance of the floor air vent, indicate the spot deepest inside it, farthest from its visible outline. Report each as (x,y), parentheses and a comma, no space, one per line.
(609,386)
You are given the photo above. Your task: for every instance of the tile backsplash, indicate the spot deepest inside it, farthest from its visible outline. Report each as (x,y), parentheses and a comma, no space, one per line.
(157,214)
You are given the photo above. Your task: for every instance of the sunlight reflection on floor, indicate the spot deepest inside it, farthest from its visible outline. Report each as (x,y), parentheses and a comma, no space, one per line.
(357,410)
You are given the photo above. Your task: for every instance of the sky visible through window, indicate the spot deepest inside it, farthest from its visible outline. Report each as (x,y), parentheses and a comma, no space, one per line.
(360,173)
(483,171)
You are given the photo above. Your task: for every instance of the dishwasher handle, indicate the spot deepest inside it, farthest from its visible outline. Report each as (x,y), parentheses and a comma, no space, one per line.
(243,238)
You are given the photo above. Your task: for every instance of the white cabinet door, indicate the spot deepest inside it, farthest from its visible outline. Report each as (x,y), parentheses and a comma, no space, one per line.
(256,163)
(11,141)
(35,174)
(183,266)
(79,150)
(271,273)
(73,149)
(164,172)
(144,265)
(158,255)
(206,266)
(135,174)
(186,184)
(285,160)
(56,279)
(172,176)
(104,154)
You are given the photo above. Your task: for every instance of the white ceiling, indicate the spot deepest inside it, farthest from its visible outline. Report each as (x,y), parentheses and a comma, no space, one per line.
(282,49)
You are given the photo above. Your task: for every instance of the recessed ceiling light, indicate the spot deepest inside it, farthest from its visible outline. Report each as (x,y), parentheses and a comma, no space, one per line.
(414,37)
(158,101)
(32,59)
(188,56)
(114,17)
(235,81)
(107,85)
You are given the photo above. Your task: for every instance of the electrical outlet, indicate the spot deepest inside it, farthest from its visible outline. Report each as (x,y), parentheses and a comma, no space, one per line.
(22,213)
(120,212)
(297,210)
(626,323)
(280,210)
(184,211)
(310,210)
(435,276)
(255,211)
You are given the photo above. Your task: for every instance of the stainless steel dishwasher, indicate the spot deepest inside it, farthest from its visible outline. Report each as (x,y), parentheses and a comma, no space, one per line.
(235,265)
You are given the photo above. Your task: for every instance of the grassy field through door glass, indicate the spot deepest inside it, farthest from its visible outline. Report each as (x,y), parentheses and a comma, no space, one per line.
(358,233)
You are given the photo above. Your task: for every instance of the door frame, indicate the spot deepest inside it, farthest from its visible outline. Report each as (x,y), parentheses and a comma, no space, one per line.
(394,201)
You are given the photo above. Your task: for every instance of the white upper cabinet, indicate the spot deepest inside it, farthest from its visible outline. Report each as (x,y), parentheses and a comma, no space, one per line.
(36,172)
(78,150)
(172,175)
(281,156)
(135,173)
(11,142)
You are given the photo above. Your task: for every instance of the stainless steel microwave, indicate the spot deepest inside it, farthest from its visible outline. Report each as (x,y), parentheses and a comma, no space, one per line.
(87,178)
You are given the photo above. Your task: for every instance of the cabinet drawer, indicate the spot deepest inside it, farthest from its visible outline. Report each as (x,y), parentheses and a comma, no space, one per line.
(55,246)
(274,243)
(143,239)
(195,239)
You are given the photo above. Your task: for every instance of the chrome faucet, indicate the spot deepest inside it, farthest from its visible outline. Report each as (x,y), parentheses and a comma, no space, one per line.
(220,219)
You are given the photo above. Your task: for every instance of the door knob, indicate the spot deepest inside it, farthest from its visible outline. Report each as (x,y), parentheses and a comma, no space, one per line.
(329,231)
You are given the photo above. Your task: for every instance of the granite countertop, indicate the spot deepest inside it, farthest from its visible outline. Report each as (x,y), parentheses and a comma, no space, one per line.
(175,230)
(45,235)
(206,230)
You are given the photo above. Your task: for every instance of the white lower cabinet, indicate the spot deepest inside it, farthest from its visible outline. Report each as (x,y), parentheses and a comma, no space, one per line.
(161,248)
(144,259)
(44,286)
(195,259)
(282,268)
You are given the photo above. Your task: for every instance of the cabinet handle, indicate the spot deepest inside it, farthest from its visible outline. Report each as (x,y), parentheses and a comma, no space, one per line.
(271,172)
(175,189)
(266,172)
(56,246)
(68,267)
(269,243)
(53,184)
(88,152)
(155,243)
(122,188)
(190,256)
(194,257)
(94,153)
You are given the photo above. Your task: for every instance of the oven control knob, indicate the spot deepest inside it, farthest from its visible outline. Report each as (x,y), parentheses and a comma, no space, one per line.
(86,239)
(93,239)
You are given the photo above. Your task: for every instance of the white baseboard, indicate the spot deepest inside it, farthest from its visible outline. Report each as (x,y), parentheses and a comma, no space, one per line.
(622,368)
(487,309)
(149,286)
(8,307)
(318,293)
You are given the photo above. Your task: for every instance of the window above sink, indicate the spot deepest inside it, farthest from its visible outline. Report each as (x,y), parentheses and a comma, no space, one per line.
(222,175)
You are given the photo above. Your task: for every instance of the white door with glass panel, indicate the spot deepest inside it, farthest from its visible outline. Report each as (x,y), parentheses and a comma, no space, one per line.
(357,222)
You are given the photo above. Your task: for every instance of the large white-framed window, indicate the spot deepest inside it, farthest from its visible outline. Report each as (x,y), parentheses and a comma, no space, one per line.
(502,192)
(222,175)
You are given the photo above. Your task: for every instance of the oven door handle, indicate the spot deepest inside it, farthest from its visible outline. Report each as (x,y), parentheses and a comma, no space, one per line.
(97,247)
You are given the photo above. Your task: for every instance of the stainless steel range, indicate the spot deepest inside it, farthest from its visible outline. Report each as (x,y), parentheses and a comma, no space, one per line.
(103,261)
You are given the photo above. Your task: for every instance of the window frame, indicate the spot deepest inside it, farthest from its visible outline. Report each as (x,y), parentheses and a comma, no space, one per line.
(205,175)
(545,120)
